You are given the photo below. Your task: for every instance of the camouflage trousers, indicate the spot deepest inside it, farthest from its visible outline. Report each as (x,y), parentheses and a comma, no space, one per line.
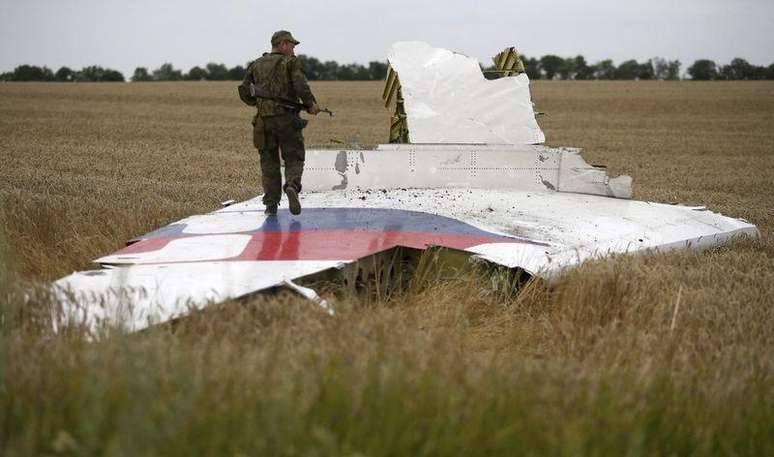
(275,137)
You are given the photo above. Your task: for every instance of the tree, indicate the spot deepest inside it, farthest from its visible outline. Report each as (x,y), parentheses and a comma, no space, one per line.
(377,70)
(196,74)
(95,73)
(345,73)
(665,69)
(89,74)
(604,69)
(531,67)
(32,73)
(111,75)
(217,71)
(141,75)
(353,72)
(759,72)
(167,72)
(770,71)
(738,69)
(361,72)
(567,68)
(627,70)
(236,73)
(645,70)
(313,68)
(329,71)
(659,68)
(64,74)
(582,69)
(673,70)
(703,70)
(7,76)
(550,65)
(724,73)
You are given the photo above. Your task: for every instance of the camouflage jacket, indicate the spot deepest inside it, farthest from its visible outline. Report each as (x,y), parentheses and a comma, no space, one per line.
(281,76)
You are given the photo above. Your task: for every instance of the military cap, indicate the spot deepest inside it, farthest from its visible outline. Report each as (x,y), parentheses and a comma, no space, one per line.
(282,35)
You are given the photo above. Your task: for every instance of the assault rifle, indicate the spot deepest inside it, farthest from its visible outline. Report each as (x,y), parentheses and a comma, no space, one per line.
(259,92)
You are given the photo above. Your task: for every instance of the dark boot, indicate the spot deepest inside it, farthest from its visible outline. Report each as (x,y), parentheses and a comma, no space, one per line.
(271,210)
(293,202)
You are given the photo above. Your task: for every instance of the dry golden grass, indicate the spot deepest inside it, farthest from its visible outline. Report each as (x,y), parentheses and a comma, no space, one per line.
(101,163)
(654,354)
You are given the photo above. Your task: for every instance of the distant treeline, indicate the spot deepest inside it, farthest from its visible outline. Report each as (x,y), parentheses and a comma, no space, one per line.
(314,69)
(64,74)
(546,67)
(556,67)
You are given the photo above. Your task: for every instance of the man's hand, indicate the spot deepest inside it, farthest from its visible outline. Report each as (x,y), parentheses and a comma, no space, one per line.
(314,109)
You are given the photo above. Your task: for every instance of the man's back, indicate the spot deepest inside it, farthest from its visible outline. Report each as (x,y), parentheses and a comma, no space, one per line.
(281,76)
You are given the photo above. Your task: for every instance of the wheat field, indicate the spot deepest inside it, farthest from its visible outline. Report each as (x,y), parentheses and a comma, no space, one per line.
(647,355)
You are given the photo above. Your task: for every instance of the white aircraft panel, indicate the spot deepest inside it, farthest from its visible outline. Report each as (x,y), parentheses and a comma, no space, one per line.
(525,167)
(542,232)
(448,100)
(575,227)
(139,296)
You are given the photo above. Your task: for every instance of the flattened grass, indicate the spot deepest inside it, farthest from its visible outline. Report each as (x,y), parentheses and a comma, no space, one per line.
(657,354)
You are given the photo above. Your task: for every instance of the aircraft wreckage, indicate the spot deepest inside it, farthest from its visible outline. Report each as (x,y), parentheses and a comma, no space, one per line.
(465,170)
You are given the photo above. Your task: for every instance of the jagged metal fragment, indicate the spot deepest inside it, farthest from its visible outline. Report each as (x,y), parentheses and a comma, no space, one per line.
(508,62)
(448,100)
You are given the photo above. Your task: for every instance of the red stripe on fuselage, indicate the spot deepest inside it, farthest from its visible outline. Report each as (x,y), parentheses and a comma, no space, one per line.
(148,245)
(349,244)
(329,244)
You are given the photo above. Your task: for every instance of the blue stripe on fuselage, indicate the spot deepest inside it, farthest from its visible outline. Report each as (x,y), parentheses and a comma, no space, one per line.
(360,219)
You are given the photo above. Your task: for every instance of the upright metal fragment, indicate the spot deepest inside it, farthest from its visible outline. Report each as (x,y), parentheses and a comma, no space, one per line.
(399,132)
(508,62)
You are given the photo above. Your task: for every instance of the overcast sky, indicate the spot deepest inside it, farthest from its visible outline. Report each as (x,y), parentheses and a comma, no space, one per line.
(130,33)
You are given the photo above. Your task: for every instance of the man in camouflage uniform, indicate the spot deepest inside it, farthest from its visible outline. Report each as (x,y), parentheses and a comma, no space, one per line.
(278,129)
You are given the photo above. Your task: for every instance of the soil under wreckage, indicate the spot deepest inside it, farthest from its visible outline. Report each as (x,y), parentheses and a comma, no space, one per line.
(471,180)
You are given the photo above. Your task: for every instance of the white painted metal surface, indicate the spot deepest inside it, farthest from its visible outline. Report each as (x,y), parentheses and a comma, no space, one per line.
(544,232)
(137,296)
(526,167)
(575,227)
(448,100)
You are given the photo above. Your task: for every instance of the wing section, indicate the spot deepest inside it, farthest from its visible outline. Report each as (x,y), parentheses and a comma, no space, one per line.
(237,250)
